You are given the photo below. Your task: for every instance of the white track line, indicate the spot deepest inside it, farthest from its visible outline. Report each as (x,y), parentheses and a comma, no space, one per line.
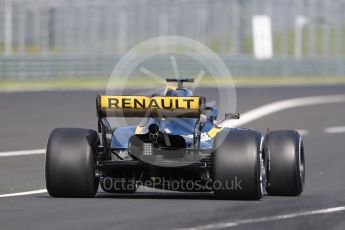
(302,132)
(24,193)
(282,105)
(245,118)
(22,153)
(335,129)
(267,219)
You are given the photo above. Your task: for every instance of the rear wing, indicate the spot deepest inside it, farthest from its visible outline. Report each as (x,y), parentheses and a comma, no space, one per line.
(143,106)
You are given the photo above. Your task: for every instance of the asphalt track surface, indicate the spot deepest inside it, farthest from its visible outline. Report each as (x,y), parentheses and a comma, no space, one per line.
(28,117)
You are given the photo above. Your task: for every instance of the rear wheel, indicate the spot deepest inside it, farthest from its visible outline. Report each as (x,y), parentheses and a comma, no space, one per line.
(284,160)
(70,163)
(237,165)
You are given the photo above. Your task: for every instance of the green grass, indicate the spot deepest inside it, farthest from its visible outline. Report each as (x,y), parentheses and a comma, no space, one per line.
(290,80)
(51,84)
(221,43)
(143,82)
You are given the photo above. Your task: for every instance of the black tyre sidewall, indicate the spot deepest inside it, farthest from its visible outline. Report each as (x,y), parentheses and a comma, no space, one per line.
(70,163)
(283,152)
(237,154)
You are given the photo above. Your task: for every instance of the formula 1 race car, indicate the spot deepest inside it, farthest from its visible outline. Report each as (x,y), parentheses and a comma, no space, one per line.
(178,146)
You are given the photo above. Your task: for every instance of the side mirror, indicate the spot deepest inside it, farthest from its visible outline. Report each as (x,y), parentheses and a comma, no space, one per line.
(232,116)
(207,111)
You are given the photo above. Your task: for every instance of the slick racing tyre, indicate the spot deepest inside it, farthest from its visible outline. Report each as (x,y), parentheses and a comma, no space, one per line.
(284,160)
(70,163)
(237,165)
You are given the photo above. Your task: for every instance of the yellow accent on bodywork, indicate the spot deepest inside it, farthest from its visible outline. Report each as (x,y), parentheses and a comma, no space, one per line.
(143,102)
(128,103)
(213,132)
(139,129)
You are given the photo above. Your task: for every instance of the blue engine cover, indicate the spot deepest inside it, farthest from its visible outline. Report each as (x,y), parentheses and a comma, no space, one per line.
(121,136)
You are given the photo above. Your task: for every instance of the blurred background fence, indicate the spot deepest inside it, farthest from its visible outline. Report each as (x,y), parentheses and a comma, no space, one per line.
(44,39)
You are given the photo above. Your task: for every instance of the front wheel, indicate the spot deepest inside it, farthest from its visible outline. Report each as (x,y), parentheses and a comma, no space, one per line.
(284,159)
